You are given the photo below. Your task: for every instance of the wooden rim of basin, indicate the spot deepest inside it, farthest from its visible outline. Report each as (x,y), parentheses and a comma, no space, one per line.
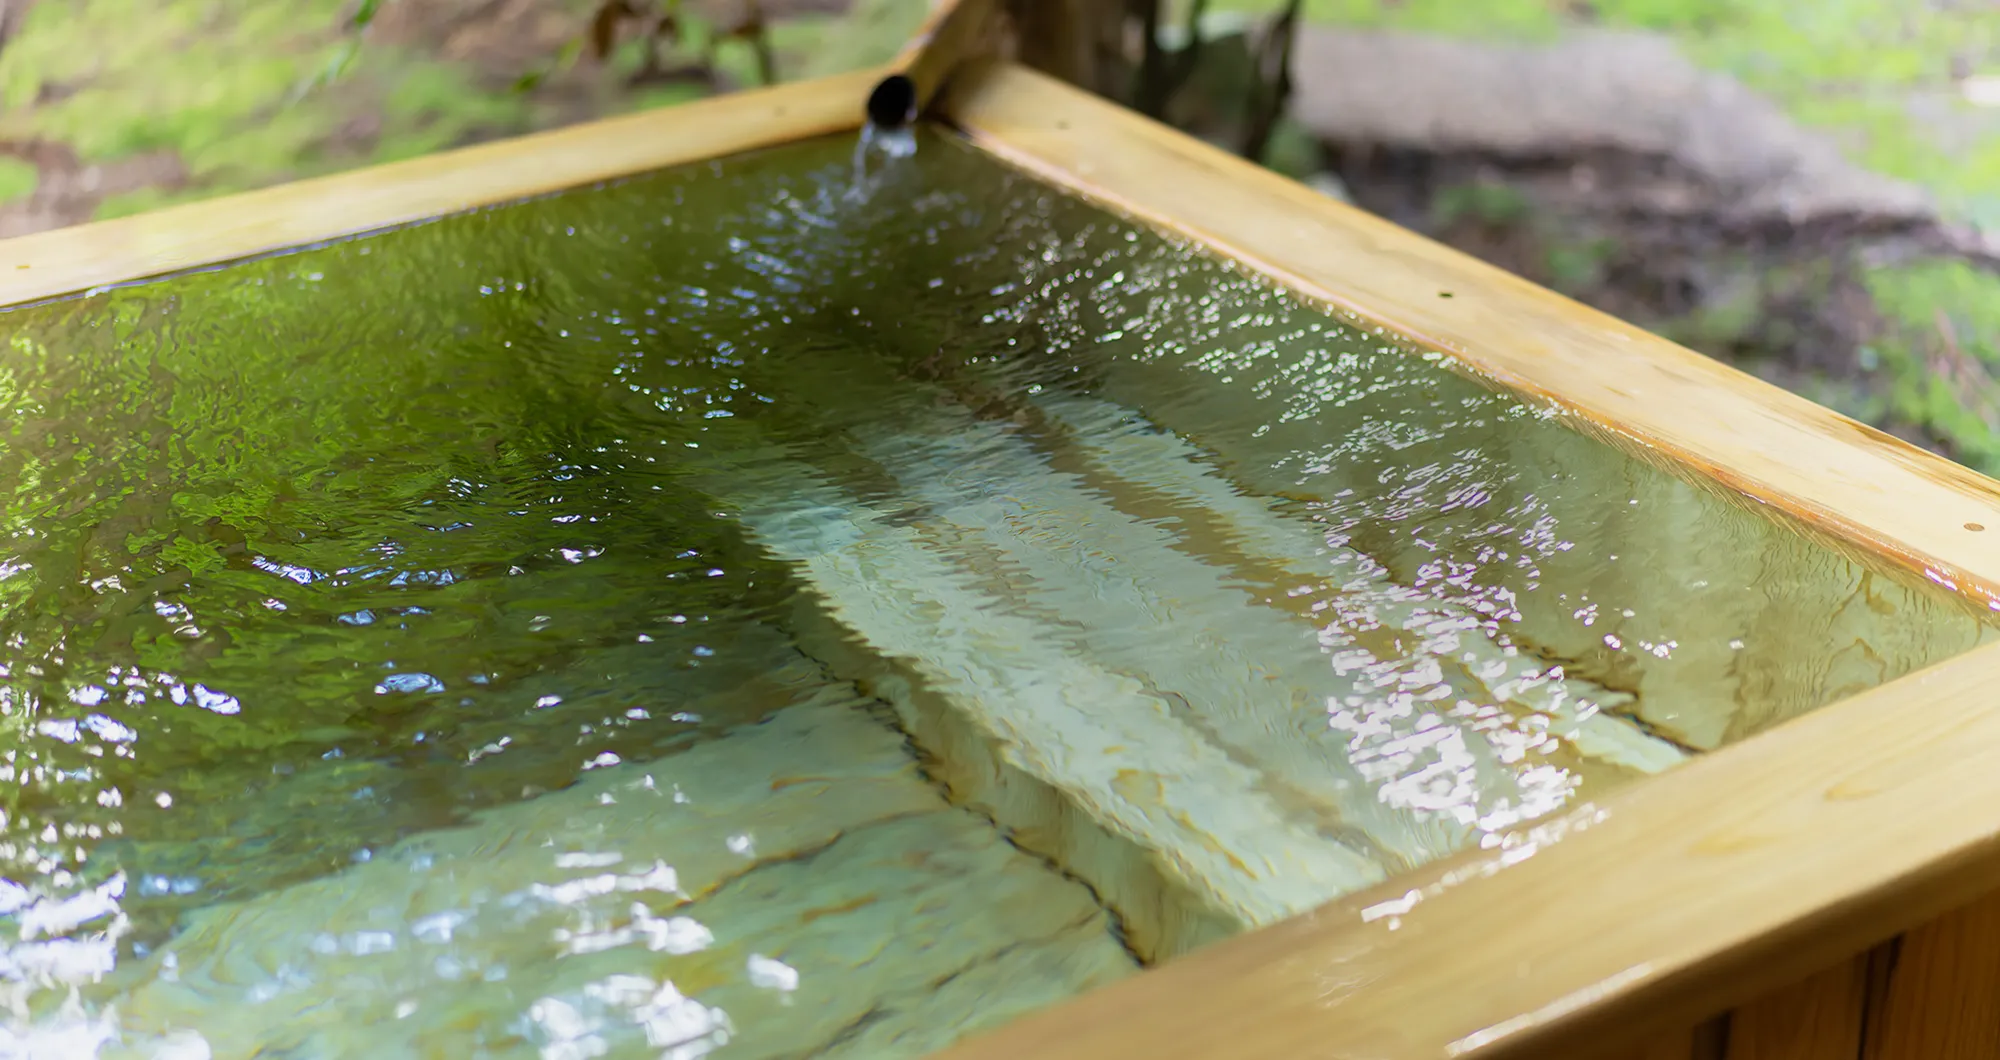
(196,235)
(1669,900)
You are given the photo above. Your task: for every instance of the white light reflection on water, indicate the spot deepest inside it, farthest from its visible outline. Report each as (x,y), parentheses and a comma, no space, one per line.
(772,974)
(575,1027)
(62,945)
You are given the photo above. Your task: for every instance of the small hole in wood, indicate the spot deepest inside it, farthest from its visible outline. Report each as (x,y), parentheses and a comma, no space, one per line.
(1975,527)
(1444,294)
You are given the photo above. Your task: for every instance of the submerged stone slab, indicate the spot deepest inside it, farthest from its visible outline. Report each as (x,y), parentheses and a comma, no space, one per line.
(1577,708)
(1135,801)
(1146,511)
(1109,687)
(1178,612)
(1245,678)
(791,887)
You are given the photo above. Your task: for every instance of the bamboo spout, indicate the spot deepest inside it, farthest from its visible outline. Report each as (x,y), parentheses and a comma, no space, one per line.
(954,30)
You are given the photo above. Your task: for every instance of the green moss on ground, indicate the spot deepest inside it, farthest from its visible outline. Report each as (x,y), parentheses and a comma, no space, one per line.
(246,93)
(209,81)
(17,179)
(1940,349)
(236,89)
(153,197)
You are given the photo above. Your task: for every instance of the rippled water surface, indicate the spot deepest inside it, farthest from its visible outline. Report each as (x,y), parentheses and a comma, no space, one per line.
(620,624)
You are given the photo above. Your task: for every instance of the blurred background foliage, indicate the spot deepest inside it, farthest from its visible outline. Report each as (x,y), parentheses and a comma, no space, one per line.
(109,107)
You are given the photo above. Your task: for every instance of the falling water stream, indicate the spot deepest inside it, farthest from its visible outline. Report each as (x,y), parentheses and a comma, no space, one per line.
(875,143)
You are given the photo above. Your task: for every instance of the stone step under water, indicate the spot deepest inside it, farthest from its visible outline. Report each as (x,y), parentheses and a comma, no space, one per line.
(1108,688)
(793,889)
(1123,443)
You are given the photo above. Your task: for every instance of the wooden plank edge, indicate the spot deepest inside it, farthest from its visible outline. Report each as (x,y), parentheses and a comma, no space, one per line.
(1669,901)
(195,235)
(1915,509)
(953,31)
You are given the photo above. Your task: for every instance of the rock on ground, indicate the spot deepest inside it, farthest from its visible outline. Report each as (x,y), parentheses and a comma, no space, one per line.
(1592,90)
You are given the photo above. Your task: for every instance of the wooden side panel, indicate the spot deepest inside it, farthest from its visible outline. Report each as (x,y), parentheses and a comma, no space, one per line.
(1943,998)
(954,30)
(1706,1040)
(1679,1045)
(1931,994)
(1817,1018)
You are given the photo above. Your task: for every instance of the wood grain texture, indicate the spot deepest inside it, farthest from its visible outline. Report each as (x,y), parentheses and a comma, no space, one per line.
(1855,482)
(1674,1045)
(1881,972)
(1679,1046)
(1736,873)
(954,31)
(1943,997)
(1704,1040)
(1819,1017)
(66,261)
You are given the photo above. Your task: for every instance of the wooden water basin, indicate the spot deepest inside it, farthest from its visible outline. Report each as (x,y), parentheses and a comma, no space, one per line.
(1823,887)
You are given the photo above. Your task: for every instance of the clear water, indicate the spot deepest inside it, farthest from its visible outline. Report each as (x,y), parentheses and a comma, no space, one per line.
(727,613)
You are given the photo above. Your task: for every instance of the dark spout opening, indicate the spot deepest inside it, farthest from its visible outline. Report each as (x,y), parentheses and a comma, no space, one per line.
(893,104)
